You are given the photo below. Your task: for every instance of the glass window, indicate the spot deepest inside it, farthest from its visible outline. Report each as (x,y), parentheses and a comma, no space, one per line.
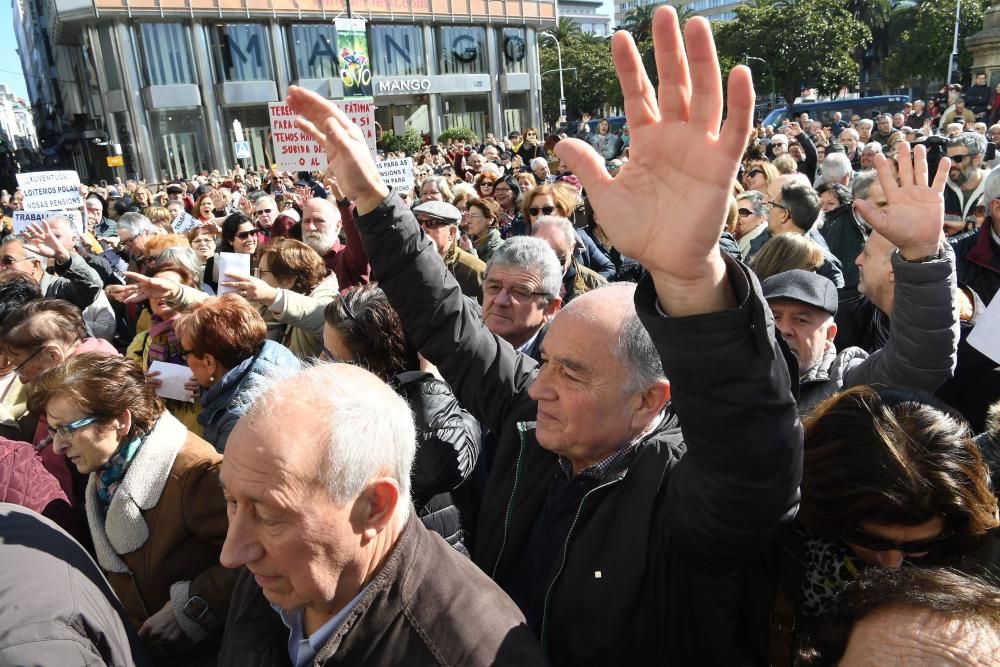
(463,50)
(109,57)
(181,149)
(256,128)
(471,111)
(242,52)
(513,49)
(398,50)
(166,54)
(314,51)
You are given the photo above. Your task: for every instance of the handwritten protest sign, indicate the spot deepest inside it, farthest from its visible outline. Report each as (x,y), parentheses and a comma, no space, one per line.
(397,174)
(24,218)
(294,150)
(50,190)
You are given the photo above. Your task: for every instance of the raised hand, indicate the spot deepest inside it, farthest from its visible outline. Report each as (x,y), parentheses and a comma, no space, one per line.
(250,288)
(143,287)
(913,220)
(667,206)
(347,152)
(42,241)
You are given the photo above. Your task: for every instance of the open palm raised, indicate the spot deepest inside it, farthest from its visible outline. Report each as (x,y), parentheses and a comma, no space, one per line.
(668,204)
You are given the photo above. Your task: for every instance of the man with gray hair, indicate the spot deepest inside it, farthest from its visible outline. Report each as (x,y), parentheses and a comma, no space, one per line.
(335,566)
(134,229)
(868,153)
(97,224)
(28,253)
(965,181)
(865,127)
(559,234)
(850,141)
(521,293)
(978,255)
(540,168)
(837,169)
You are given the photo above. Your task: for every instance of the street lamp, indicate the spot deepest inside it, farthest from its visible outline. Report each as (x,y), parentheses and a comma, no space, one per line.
(768,66)
(953,59)
(562,92)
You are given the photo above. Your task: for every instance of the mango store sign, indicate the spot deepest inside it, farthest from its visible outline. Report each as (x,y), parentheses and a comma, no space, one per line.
(294,150)
(50,190)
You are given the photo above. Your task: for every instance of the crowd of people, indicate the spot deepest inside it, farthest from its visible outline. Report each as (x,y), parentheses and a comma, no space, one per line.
(698,393)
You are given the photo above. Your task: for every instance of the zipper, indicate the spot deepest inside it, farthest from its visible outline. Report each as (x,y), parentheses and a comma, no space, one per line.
(562,564)
(521,428)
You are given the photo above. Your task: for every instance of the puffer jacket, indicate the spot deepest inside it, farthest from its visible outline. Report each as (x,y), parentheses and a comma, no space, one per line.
(922,348)
(24,481)
(221,406)
(979,261)
(448,444)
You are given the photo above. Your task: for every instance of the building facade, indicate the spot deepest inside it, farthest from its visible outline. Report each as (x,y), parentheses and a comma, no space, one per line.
(17,127)
(588,15)
(721,10)
(165,79)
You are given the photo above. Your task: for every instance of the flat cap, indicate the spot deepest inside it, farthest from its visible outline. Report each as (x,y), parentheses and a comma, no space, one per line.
(803,286)
(440,210)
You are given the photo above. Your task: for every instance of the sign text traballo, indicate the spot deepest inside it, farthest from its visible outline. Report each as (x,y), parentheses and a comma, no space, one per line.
(24,218)
(50,190)
(294,150)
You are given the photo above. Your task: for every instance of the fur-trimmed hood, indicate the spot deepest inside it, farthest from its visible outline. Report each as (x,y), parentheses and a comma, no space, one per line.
(124,530)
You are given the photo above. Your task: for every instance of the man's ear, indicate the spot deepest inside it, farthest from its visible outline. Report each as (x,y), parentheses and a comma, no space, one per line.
(378,505)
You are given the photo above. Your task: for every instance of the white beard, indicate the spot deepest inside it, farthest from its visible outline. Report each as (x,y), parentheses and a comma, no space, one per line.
(321,242)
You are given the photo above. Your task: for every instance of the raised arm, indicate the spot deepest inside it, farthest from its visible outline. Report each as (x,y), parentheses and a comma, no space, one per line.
(484,371)
(729,383)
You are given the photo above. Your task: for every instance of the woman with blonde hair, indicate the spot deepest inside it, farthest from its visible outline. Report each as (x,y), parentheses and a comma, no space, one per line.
(758,175)
(786,252)
(160,217)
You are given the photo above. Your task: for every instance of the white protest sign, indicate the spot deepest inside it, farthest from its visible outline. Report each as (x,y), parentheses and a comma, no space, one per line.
(397,174)
(48,190)
(234,263)
(184,222)
(985,336)
(24,218)
(172,379)
(294,150)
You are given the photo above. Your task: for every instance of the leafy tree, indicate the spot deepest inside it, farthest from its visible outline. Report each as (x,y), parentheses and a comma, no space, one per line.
(464,134)
(409,142)
(922,48)
(809,43)
(565,30)
(593,85)
(639,22)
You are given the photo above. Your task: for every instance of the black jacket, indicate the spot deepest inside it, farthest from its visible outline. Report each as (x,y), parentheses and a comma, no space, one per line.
(845,235)
(661,562)
(448,443)
(978,261)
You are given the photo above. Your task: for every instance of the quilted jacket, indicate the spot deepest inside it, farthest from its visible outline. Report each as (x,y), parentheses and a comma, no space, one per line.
(24,481)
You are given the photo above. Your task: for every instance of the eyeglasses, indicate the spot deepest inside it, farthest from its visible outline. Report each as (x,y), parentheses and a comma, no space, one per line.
(67,431)
(745,212)
(29,358)
(185,353)
(7,260)
(243,236)
(774,204)
(203,239)
(546,210)
(500,190)
(258,271)
(433,223)
(866,540)
(519,293)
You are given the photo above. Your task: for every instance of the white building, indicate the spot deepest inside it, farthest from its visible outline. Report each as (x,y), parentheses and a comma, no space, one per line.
(16,124)
(588,15)
(722,10)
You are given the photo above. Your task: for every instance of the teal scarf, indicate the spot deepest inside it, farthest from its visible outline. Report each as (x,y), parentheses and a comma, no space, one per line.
(111,475)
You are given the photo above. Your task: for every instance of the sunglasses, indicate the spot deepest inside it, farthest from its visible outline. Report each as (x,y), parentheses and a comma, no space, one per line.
(66,431)
(545,210)
(958,159)
(755,172)
(866,540)
(433,223)
(243,236)
(745,212)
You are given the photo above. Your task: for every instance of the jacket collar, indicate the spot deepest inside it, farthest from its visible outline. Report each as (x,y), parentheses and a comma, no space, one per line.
(123,529)
(984,252)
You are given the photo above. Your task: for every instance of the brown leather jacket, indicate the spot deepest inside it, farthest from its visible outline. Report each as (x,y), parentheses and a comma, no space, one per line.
(428,605)
(164,529)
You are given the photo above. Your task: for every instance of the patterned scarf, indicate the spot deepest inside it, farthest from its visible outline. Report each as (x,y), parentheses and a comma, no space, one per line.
(164,345)
(829,567)
(110,476)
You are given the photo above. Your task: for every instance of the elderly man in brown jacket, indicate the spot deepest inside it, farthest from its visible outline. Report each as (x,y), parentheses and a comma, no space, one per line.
(337,568)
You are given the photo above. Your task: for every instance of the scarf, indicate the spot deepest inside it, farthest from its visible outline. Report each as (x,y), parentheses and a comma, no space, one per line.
(110,476)
(164,345)
(829,567)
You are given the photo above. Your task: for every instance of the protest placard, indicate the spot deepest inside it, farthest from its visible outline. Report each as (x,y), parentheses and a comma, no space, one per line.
(184,222)
(24,218)
(50,190)
(985,336)
(398,173)
(294,150)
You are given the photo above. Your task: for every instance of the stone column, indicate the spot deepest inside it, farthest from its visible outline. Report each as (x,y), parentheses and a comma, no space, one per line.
(985,46)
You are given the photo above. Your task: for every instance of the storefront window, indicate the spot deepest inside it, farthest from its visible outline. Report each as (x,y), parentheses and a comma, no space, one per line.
(513,50)
(471,111)
(400,116)
(463,50)
(314,51)
(398,50)
(166,54)
(256,126)
(180,142)
(515,112)
(242,52)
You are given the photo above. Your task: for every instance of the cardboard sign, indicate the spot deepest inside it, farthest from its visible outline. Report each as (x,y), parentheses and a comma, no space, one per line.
(184,222)
(50,190)
(397,174)
(294,150)
(24,218)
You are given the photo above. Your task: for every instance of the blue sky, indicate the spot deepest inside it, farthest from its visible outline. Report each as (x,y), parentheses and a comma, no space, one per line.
(10,64)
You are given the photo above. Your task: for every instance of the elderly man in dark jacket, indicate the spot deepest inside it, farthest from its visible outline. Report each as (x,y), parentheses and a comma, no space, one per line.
(623,540)
(979,253)
(339,570)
